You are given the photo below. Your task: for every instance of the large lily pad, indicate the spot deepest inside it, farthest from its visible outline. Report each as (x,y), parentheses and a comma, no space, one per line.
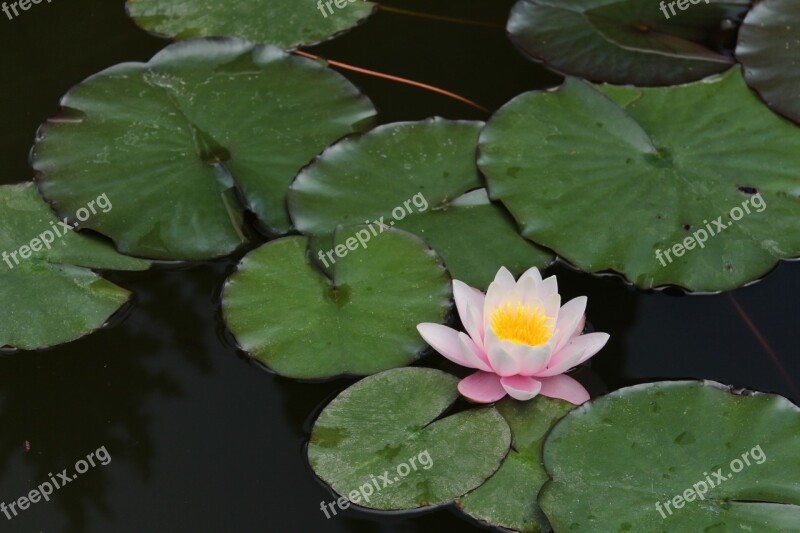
(508,498)
(377,427)
(607,182)
(613,459)
(49,294)
(769,49)
(182,137)
(285,23)
(415,176)
(287,313)
(625,41)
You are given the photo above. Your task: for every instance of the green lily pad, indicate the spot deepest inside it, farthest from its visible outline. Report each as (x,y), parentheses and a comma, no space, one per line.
(385,428)
(182,137)
(625,41)
(508,498)
(302,324)
(285,23)
(769,50)
(613,459)
(48,292)
(607,183)
(422,177)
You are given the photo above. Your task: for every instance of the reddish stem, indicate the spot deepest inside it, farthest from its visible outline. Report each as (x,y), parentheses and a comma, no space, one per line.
(764,344)
(394,78)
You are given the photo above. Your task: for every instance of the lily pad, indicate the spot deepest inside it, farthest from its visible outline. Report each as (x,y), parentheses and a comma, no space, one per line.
(48,292)
(508,498)
(287,313)
(598,175)
(769,50)
(422,177)
(285,23)
(625,41)
(183,137)
(614,459)
(385,428)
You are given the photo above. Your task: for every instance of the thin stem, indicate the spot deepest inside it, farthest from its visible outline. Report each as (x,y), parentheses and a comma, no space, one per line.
(395,78)
(764,344)
(437,17)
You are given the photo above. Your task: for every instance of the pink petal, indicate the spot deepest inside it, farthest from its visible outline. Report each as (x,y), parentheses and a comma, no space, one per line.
(501,358)
(564,388)
(521,387)
(577,350)
(469,303)
(481,387)
(453,345)
(569,316)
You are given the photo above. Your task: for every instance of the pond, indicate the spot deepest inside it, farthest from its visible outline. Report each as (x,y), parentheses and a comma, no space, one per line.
(200,437)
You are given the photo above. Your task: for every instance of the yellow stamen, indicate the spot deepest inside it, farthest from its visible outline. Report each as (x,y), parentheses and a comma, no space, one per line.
(522,325)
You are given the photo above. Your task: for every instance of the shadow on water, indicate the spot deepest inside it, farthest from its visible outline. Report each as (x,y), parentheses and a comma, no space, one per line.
(66,402)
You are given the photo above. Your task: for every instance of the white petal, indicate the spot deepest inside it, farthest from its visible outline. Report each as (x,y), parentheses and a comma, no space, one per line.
(569,316)
(533,359)
(499,291)
(501,358)
(532,273)
(469,303)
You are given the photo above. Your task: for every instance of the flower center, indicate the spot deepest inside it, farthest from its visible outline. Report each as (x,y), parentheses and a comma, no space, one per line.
(522,325)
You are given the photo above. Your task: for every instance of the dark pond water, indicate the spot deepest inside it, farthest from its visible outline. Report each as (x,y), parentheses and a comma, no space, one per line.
(203,440)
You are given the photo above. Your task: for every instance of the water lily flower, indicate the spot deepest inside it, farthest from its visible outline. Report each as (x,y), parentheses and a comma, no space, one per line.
(519,338)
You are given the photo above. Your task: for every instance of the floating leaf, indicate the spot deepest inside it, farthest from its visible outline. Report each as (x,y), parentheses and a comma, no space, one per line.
(48,292)
(389,420)
(285,23)
(606,182)
(508,498)
(613,459)
(416,176)
(769,50)
(362,320)
(624,41)
(181,137)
